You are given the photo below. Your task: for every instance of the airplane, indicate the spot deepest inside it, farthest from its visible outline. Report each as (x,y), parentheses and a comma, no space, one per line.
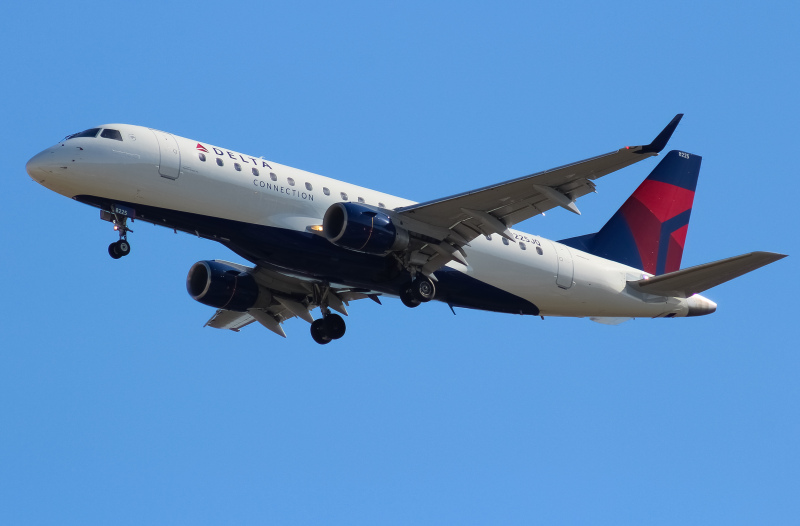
(315,242)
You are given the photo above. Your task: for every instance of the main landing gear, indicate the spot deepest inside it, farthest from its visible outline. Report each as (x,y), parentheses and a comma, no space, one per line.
(421,290)
(331,326)
(328,328)
(120,248)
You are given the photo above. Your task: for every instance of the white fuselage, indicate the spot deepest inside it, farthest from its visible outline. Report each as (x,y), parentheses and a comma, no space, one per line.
(157,169)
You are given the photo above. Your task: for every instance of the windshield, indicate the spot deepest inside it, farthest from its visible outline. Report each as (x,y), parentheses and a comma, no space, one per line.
(111,134)
(92,132)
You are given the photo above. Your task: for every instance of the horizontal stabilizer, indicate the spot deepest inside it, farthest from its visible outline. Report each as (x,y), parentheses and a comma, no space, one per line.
(693,280)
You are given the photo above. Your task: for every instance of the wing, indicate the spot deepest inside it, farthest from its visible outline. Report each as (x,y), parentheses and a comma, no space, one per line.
(289,297)
(454,221)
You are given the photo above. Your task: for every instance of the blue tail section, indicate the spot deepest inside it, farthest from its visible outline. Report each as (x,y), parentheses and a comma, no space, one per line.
(649,231)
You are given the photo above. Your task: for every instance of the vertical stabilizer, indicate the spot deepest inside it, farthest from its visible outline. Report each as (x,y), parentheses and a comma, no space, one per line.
(649,231)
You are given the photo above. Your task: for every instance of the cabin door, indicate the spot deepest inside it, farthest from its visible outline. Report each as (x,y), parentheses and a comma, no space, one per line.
(566,268)
(169,165)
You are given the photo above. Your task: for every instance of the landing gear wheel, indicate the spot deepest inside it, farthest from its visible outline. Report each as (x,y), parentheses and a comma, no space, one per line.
(423,290)
(113,252)
(119,249)
(123,247)
(408,298)
(318,332)
(334,326)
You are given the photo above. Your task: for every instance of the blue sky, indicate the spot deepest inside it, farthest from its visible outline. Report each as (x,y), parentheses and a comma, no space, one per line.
(117,406)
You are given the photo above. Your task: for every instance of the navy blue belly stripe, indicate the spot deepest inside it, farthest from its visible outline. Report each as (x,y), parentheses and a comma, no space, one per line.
(315,257)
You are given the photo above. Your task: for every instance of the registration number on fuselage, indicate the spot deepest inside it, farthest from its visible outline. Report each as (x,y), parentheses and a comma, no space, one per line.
(526,239)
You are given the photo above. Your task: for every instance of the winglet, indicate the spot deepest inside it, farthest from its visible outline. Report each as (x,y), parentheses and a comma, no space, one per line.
(660,142)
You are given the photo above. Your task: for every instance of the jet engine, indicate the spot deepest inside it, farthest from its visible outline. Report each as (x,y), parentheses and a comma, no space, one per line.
(360,228)
(221,286)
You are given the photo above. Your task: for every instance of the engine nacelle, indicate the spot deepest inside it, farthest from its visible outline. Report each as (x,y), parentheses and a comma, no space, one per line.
(363,229)
(221,286)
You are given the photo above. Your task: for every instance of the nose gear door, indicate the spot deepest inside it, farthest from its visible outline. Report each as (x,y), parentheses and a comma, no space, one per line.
(169,165)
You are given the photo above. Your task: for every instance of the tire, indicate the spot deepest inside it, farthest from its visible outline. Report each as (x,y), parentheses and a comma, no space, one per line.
(113,252)
(123,247)
(423,289)
(318,332)
(334,326)
(408,298)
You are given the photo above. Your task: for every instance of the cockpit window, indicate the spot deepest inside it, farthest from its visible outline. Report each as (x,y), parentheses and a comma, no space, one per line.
(111,134)
(92,132)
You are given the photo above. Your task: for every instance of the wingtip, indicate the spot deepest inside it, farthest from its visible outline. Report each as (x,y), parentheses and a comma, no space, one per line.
(772,256)
(660,142)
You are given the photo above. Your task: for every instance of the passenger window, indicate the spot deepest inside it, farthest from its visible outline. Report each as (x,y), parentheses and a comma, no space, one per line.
(505,241)
(344,196)
(111,134)
(255,172)
(326,191)
(202,156)
(381,205)
(309,187)
(219,162)
(522,245)
(291,181)
(539,250)
(361,200)
(273,176)
(92,132)
(238,167)
(489,237)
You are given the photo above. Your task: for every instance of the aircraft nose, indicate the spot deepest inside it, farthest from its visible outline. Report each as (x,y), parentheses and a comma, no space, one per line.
(38,167)
(700,306)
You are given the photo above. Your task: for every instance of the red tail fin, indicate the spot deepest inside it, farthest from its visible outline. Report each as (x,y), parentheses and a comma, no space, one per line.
(649,231)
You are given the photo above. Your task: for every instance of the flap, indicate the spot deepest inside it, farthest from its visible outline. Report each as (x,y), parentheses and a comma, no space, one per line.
(228,319)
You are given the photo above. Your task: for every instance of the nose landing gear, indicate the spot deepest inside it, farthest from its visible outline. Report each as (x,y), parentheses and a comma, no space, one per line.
(119,248)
